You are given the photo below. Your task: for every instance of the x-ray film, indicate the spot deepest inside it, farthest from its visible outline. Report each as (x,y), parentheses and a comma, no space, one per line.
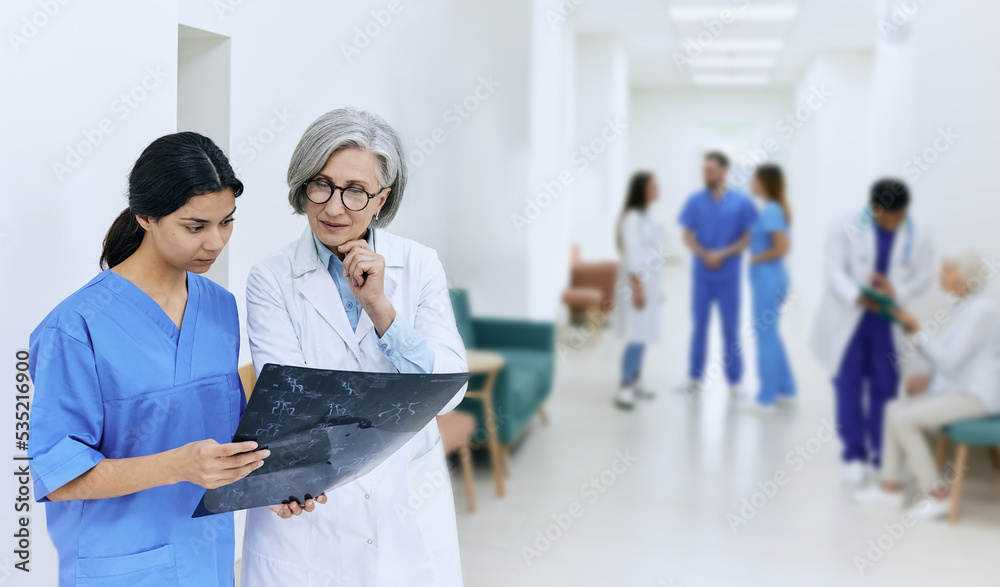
(326,428)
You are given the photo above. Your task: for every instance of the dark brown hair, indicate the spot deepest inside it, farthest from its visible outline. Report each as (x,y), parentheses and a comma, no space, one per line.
(773,181)
(635,199)
(171,170)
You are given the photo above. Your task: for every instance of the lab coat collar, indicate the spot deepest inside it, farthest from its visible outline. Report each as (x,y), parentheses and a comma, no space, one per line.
(306,258)
(320,290)
(902,244)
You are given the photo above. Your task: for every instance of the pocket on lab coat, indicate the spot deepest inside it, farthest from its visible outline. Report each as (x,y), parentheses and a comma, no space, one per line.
(151,568)
(425,454)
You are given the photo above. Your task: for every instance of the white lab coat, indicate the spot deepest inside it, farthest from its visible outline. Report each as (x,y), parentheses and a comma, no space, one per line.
(643,254)
(396,525)
(849,257)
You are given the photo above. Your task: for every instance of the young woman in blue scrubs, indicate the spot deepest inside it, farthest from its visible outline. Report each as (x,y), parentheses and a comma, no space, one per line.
(769,283)
(136,387)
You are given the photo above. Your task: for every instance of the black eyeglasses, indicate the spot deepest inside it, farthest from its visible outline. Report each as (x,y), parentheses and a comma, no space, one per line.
(354,198)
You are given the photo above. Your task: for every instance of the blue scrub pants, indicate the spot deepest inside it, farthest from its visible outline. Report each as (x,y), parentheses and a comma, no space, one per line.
(632,362)
(725,292)
(770,288)
(867,380)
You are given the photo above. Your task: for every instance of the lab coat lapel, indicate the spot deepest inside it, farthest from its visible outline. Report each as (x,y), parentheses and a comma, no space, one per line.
(365,325)
(897,260)
(866,246)
(320,291)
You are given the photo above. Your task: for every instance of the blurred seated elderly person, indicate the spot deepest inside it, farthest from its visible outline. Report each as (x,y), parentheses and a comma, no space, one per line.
(964,382)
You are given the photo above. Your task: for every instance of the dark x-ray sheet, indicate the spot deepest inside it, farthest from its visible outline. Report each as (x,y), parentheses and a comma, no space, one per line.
(326,428)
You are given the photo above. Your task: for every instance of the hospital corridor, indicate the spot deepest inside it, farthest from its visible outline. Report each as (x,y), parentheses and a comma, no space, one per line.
(533,293)
(699,505)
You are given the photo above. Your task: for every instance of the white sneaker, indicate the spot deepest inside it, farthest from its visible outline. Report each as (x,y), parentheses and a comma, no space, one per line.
(752,406)
(788,401)
(643,392)
(625,398)
(855,472)
(691,387)
(930,508)
(878,496)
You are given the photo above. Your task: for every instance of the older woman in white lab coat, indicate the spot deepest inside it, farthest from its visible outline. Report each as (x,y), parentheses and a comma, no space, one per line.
(348,295)
(639,288)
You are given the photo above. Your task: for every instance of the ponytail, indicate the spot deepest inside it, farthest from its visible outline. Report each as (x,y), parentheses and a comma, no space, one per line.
(168,173)
(123,239)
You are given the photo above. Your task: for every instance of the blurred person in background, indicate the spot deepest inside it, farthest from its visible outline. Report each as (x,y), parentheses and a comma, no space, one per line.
(639,288)
(716,222)
(769,243)
(883,248)
(964,382)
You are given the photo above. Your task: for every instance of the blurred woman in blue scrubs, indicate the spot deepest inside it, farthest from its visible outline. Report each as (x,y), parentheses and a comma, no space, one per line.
(769,244)
(136,387)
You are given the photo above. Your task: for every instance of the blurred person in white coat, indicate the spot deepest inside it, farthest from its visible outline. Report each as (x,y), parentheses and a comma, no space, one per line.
(882,247)
(639,288)
(964,382)
(350,296)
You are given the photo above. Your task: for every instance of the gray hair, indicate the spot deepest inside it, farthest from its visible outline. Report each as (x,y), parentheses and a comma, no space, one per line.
(349,128)
(972,269)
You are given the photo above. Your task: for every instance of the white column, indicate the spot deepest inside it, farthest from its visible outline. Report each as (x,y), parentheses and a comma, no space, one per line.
(830,164)
(600,157)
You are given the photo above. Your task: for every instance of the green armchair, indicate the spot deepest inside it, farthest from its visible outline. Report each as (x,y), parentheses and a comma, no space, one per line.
(524,382)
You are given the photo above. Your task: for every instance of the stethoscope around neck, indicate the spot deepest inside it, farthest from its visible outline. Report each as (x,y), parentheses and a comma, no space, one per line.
(867,219)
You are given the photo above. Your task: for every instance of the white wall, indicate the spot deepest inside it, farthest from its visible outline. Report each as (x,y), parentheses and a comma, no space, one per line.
(61,89)
(957,51)
(552,104)
(671,129)
(935,119)
(830,168)
(602,129)
(425,58)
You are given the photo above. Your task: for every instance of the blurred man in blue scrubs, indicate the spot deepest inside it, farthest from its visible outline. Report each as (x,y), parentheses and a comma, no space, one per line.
(716,222)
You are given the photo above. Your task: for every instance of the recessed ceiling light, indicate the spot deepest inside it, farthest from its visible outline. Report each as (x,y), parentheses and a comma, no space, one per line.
(732,63)
(730,80)
(746,45)
(755,13)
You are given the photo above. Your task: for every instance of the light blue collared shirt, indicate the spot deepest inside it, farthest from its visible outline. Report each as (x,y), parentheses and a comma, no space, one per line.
(406,349)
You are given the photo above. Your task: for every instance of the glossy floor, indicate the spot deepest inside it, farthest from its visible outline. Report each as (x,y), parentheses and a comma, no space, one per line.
(677,516)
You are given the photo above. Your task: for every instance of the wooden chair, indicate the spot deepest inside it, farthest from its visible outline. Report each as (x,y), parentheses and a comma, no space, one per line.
(965,433)
(249,378)
(456,430)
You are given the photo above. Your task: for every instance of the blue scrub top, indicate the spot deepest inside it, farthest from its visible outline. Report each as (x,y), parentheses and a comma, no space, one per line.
(770,220)
(717,224)
(115,378)
(883,248)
